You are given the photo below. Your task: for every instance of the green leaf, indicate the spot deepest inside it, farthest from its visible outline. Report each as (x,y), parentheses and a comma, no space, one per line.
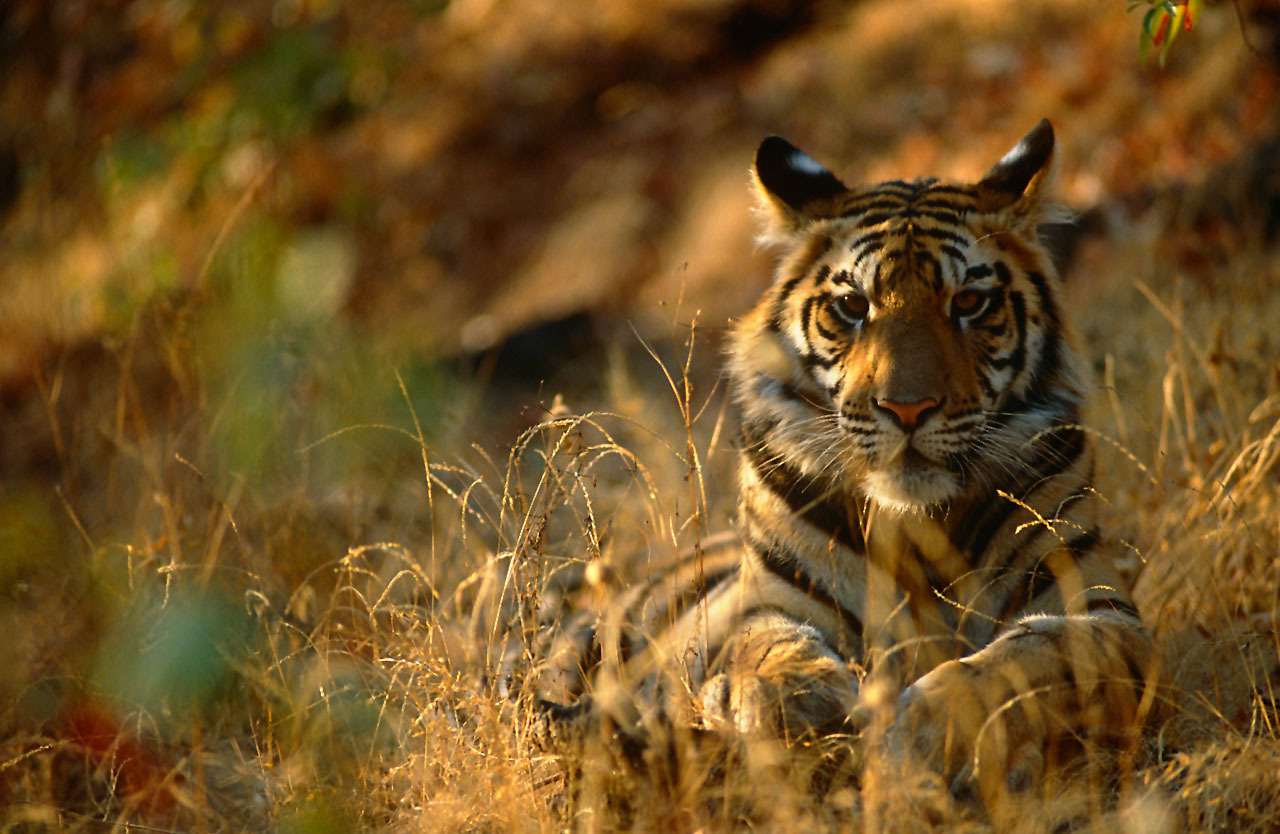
(1147,36)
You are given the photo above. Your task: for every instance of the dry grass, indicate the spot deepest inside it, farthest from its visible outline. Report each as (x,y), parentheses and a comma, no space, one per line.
(334,691)
(244,563)
(1190,439)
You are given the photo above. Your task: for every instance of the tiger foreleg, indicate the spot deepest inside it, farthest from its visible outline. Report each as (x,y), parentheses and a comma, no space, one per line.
(782,679)
(988,722)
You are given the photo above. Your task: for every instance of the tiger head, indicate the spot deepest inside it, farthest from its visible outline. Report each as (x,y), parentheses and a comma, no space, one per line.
(913,342)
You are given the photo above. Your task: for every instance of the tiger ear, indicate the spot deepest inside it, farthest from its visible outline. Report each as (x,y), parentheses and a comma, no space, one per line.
(1020,176)
(791,185)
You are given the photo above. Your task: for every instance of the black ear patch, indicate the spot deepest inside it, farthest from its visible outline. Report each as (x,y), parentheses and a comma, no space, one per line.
(1011,175)
(792,176)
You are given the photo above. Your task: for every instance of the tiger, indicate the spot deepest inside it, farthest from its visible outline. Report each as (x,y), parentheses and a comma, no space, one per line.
(918,533)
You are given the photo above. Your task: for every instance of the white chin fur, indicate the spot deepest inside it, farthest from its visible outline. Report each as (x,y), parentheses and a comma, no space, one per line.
(910,490)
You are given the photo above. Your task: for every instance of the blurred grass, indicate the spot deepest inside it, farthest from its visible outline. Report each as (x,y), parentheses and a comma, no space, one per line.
(254,259)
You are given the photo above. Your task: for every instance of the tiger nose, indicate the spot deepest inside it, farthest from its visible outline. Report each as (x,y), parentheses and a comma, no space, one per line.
(908,415)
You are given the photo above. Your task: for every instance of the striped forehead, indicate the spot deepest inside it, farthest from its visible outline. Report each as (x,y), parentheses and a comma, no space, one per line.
(900,233)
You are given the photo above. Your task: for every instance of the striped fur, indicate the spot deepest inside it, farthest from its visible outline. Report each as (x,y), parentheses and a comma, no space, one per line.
(916,505)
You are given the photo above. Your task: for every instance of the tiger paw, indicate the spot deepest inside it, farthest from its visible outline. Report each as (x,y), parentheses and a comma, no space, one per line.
(981,734)
(751,704)
(744,703)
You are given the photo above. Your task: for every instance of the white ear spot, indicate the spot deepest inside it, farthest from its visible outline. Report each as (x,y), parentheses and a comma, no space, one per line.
(1016,151)
(802,163)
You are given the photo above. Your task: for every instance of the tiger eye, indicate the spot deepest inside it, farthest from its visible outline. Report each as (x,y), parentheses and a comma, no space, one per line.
(852,308)
(967,302)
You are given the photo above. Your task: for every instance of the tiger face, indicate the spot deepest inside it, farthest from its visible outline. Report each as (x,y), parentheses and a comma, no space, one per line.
(903,347)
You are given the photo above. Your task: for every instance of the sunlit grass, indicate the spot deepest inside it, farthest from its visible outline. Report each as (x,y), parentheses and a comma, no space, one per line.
(269,634)
(245,549)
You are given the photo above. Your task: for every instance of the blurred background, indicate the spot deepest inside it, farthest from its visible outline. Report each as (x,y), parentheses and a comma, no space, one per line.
(436,179)
(257,258)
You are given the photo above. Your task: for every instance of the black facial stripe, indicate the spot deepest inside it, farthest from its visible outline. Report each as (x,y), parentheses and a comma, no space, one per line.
(934,189)
(1046,298)
(939,214)
(812,359)
(1016,358)
(875,218)
(952,252)
(941,234)
(1019,356)
(862,246)
(987,388)
(829,335)
(877,286)
(958,422)
(780,307)
(874,202)
(935,200)
(924,258)
(806,314)
(1041,389)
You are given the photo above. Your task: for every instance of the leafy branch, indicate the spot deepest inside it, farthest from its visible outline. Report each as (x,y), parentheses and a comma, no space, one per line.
(1162,23)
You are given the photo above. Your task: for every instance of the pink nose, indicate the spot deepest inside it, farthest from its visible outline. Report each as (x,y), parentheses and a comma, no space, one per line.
(908,414)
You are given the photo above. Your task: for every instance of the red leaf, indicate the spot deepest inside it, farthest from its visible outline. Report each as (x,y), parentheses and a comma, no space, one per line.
(1161,30)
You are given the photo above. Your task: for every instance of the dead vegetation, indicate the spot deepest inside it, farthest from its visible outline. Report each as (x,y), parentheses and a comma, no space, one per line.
(246,477)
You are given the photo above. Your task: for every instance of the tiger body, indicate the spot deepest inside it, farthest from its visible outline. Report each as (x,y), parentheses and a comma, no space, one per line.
(916,506)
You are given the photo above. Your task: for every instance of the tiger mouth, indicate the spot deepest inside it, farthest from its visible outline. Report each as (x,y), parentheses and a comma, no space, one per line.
(911,459)
(906,456)
(912,481)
